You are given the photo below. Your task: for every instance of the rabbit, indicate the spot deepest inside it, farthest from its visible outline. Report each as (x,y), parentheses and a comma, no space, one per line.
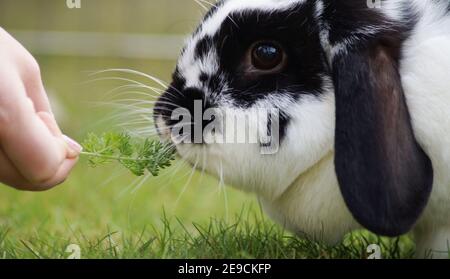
(363,94)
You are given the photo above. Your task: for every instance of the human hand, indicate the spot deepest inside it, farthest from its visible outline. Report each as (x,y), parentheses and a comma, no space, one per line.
(34,154)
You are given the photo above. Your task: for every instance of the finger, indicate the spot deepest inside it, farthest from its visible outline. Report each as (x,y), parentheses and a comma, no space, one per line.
(61,175)
(25,138)
(29,71)
(12,177)
(31,76)
(73,147)
(50,121)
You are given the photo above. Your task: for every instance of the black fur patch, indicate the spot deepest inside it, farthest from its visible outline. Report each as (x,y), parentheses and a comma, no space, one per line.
(203,47)
(346,17)
(214,83)
(295,30)
(204,77)
(354,19)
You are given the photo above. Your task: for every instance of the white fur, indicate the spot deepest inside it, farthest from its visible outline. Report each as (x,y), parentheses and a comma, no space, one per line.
(425,72)
(298,185)
(211,25)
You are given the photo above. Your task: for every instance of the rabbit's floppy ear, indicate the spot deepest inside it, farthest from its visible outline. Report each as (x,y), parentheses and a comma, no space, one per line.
(384,175)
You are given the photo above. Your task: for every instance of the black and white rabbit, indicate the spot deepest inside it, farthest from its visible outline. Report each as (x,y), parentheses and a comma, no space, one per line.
(363,88)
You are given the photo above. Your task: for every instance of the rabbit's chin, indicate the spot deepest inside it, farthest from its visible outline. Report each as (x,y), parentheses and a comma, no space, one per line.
(309,138)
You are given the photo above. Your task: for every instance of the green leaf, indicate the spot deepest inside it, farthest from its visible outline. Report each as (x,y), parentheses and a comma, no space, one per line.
(138,156)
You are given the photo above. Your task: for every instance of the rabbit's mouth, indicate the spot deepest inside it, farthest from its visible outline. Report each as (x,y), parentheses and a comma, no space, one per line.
(261,127)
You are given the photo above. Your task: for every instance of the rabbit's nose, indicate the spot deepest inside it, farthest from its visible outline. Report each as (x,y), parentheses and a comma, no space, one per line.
(193,101)
(181,109)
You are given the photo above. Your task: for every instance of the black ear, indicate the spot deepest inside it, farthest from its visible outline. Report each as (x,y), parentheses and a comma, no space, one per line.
(384,175)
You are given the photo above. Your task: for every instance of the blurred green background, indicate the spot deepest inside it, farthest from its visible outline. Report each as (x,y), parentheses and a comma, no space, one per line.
(143,35)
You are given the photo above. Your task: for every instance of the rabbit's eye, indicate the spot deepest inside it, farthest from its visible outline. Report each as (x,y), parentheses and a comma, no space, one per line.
(267,56)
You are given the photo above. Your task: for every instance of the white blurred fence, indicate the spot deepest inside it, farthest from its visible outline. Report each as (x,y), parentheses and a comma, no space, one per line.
(92,44)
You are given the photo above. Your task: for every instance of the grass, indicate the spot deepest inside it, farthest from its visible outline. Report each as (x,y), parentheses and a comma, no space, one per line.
(106,211)
(242,239)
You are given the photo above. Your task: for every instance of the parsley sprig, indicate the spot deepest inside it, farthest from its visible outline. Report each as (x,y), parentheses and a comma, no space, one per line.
(138,156)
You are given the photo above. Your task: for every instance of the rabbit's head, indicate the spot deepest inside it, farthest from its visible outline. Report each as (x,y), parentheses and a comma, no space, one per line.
(265,89)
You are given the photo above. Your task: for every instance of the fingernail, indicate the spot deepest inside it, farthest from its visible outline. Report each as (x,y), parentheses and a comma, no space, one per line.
(75,146)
